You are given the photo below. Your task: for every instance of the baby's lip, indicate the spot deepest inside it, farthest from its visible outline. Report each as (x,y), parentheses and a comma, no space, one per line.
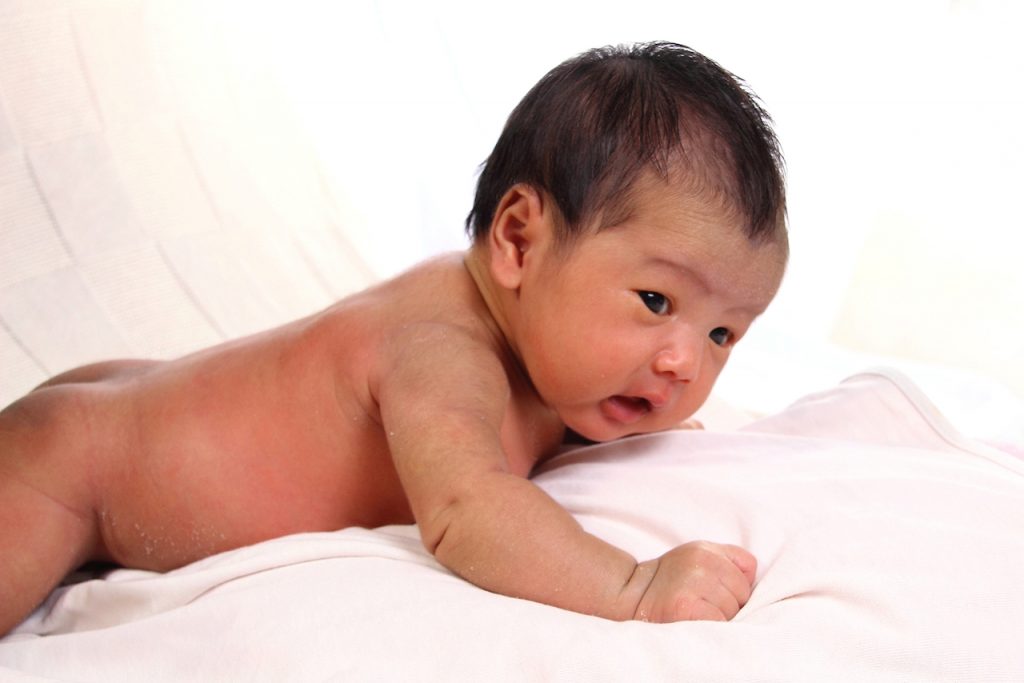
(657,400)
(626,409)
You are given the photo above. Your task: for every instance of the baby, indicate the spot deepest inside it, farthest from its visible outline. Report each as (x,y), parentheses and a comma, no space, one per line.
(627,229)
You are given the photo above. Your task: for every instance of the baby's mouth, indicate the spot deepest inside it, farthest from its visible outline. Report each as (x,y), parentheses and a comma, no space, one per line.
(626,409)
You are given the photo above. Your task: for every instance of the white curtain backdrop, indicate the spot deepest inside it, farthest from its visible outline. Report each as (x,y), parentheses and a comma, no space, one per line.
(267,157)
(900,122)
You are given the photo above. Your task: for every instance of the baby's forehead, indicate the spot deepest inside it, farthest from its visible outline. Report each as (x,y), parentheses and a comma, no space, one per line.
(673,232)
(679,186)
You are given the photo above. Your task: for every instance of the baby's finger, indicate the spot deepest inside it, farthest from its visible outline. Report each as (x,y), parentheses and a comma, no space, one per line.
(743,560)
(724,598)
(734,586)
(706,610)
(719,582)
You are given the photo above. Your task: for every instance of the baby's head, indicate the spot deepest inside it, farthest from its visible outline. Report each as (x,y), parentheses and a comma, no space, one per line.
(593,125)
(627,229)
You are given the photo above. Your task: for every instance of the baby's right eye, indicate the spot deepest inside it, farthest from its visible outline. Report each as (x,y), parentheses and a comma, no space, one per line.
(657,303)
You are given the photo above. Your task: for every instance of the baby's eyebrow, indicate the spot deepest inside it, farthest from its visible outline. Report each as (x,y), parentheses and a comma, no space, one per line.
(682,272)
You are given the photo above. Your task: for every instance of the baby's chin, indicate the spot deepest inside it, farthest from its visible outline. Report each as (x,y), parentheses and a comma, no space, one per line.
(600,429)
(583,431)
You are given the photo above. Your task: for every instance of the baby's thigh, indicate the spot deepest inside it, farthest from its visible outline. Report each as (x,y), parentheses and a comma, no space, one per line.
(76,444)
(47,527)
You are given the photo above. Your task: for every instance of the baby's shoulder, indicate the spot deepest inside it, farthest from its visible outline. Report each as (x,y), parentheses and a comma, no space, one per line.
(432,312)
(436,297)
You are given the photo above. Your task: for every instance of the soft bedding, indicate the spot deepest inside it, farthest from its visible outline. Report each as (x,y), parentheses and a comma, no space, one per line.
(890,548)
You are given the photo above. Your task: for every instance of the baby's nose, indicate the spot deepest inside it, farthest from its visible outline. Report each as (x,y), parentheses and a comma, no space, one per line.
(680,360)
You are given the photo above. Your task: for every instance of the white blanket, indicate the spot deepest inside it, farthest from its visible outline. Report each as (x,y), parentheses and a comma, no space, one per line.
(889,547)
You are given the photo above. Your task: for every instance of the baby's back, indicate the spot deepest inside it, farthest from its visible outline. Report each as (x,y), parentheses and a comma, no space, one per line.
(269,435)
(246,442)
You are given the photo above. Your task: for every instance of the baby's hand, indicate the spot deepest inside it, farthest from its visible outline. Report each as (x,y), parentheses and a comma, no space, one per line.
(699,580)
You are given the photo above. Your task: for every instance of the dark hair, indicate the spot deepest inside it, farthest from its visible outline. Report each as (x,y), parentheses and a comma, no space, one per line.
(587,130)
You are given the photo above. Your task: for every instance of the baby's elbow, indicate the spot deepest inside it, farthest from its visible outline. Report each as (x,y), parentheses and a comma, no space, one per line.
(433,536)
(439,526)
(450,519)
(457,530)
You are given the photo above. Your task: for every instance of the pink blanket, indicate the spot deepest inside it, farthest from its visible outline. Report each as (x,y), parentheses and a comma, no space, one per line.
(890,547)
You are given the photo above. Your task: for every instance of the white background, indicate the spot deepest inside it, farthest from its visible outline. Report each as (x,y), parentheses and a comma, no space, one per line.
(900,121)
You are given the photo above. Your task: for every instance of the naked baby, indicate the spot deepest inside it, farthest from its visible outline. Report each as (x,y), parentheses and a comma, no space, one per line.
(627,229)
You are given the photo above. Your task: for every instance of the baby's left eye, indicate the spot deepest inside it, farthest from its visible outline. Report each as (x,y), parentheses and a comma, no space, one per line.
(720,336)
(657,303)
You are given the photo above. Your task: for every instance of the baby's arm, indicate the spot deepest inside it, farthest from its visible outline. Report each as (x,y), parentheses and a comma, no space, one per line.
(442,402)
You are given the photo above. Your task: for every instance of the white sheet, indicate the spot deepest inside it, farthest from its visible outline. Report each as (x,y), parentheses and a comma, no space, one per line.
(890,548)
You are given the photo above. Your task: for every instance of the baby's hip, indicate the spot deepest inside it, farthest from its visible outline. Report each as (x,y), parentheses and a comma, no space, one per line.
(53,440)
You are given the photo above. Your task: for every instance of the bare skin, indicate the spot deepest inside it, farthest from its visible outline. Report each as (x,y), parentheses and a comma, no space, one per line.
(427,399)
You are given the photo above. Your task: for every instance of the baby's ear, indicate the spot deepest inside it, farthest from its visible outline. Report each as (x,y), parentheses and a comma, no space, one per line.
(520,225)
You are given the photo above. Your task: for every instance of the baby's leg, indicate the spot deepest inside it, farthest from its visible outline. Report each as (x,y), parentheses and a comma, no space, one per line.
(47,527)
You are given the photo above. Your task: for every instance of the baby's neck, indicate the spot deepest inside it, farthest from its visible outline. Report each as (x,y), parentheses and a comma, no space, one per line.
(499,304)
(475,261)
